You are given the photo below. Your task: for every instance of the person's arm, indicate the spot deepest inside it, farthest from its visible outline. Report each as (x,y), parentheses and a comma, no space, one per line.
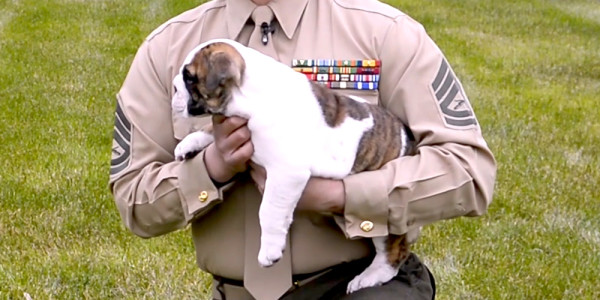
(453,171)
(154,193)
(320,194)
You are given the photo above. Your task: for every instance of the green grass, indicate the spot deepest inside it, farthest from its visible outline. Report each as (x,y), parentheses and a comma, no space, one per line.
(532,72)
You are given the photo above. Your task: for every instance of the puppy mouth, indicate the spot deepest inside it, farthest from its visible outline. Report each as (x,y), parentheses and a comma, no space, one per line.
(215,105)
(215,110)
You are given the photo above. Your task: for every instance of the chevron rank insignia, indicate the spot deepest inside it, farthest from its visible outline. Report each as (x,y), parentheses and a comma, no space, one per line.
(121,146)
(453,104)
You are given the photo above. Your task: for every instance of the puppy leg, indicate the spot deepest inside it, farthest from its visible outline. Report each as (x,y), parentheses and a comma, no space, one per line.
(390,253)
(283,189)
(192,144)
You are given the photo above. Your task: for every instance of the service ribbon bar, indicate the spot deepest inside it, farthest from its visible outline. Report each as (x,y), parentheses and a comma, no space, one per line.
(337,70)
(341,74)
(343,77)
(335,63)
(350,85)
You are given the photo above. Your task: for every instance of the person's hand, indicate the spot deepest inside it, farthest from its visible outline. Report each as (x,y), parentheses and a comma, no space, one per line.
(320,194)
(232,149)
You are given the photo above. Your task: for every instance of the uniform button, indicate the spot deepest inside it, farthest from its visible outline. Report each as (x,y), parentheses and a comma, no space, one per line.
(203,196)
(366,226)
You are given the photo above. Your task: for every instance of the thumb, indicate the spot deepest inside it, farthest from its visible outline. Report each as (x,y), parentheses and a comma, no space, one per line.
(218,118)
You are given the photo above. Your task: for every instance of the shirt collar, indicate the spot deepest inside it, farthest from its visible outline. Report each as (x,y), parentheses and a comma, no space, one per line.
(287,12)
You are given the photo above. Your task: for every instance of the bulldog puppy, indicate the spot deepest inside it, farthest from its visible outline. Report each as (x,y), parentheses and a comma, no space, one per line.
(299,129)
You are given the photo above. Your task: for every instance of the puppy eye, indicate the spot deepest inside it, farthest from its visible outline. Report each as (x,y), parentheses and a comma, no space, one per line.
(188,78)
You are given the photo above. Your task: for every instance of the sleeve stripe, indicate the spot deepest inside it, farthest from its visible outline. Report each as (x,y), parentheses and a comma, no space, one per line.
(121,142)
(116,169)
(117,161)
(447,84)
(119,127)
(122,118)
(465,122)
(440,75)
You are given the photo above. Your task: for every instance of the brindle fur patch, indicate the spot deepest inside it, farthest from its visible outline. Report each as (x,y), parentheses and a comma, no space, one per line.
(397,249)
(382,143)
(378,146)
(336,106)
(211,75)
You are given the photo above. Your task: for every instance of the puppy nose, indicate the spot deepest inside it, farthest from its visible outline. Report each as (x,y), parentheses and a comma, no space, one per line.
(195,108)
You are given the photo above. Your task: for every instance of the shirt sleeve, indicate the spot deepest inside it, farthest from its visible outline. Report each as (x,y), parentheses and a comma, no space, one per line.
(453,171)
(154,193)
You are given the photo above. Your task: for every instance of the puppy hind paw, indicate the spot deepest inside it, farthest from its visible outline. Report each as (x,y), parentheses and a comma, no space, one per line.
(370,278)
(268,256)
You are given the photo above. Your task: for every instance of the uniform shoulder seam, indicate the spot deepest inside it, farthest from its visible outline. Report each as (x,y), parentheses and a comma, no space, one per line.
(382,9)
(188,16)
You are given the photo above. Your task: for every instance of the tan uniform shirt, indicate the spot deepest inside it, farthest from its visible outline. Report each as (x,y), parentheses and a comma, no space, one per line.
(452,175)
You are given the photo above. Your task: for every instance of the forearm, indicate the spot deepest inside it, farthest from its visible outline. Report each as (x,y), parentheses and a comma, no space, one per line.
(438,183)
(145,199)
(323,195)
(161,198)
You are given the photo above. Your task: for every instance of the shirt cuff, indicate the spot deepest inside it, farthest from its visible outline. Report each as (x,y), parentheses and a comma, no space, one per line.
(366,209)
(198,192)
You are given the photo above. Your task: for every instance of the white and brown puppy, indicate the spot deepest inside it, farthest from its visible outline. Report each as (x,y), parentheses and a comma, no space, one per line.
(299,129)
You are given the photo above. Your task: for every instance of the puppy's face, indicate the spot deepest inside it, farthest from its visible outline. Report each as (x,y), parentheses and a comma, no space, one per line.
(210,77)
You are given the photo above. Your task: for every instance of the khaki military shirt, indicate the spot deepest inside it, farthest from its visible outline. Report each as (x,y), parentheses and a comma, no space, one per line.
(452,174)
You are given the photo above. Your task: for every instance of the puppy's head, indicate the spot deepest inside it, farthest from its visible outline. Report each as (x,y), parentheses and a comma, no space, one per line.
(210,77)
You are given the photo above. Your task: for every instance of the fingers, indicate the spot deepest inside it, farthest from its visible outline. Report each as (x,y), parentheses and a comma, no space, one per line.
(239,157)
(217,119)
(227,124)
(258,178)
(232,141)
(235,140)
(230,133)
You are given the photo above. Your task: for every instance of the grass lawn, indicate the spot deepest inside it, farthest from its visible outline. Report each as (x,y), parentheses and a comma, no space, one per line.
(531,69)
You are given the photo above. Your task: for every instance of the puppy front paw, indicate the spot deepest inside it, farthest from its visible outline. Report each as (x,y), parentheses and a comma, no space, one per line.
(192,144)
(185,150)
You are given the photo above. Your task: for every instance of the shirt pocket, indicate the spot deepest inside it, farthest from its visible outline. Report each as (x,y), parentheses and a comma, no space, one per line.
(371,96)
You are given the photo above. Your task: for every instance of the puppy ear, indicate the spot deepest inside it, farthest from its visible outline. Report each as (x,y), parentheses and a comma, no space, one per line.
(223,72)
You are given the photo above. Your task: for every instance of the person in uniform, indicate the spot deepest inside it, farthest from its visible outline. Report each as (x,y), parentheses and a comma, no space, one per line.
(218,192)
